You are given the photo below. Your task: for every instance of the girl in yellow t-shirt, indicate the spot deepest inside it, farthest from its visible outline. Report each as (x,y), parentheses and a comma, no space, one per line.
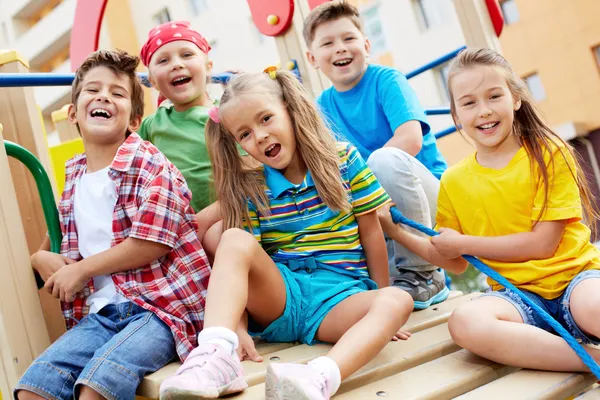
(518,204)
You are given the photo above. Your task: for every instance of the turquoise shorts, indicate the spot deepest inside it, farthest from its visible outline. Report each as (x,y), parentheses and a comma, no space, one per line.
(311,293)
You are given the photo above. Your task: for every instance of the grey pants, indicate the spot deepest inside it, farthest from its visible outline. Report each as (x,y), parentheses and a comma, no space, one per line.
(414,189)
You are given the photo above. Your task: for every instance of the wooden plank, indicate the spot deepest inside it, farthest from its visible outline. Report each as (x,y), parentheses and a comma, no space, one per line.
(394,358)
(443,378)
(531,384)
(23,125)
(23,335)
(592,394)
(419,321)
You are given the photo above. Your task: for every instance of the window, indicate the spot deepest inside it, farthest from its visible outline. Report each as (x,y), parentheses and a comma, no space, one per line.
(510,11)
(162,16)
(373,29)
(534,84)
(596,51)
(429,13)
(199,6)
(441,73)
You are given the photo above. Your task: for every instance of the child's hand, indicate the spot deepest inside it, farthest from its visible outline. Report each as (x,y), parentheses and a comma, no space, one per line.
(246,349)
(385,218)
(401,335)
(448,243)
(67,282)
(47,263)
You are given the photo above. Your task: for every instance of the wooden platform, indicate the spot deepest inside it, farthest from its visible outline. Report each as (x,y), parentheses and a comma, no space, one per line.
(428,366)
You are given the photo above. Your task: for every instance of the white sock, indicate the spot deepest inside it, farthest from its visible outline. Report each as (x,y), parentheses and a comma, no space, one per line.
(223,337)
(329,369)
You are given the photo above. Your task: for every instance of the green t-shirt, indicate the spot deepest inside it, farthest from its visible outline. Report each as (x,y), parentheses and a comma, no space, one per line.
(180,137)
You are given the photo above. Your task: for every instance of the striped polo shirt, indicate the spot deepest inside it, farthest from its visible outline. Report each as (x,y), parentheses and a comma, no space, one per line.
(301,226)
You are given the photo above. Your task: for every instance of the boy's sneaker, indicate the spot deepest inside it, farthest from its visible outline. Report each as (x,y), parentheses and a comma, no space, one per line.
(295,382)
(426,288)
(209,372)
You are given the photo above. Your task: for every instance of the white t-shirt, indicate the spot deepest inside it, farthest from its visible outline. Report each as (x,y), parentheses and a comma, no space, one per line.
(95,199)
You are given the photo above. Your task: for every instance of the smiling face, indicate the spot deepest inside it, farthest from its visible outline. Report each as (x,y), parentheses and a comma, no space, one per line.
(103,110)
(340,50)
(485,107)
(262,126)
(178,70)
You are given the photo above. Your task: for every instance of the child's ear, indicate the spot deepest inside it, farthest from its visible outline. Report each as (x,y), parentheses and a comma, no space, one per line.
(517,104)
(135,123)
(151,80)
(72,114)
(209,66)
(311,59)
(367,45)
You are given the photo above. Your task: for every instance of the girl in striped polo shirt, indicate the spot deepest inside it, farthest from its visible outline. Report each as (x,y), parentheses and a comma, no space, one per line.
(303,251)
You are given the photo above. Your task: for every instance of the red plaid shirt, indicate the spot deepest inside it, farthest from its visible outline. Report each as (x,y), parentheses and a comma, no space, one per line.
(152,204)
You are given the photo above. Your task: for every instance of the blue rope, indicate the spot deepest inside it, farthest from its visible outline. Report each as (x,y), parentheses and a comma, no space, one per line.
(397,217)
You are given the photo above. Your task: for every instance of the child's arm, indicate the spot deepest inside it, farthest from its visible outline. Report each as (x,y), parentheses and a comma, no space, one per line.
(47,263)
(538,244)
(407,137)
(129,254)
(207,218)
(419,245)
(372,240)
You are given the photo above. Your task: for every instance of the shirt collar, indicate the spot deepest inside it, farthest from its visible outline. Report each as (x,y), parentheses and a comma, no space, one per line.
(126,152)
(278,183)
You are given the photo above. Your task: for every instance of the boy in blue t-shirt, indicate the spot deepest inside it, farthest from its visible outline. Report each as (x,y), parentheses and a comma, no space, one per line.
(374,107)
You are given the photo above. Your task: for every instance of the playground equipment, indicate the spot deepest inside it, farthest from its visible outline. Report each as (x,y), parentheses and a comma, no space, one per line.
(428,365)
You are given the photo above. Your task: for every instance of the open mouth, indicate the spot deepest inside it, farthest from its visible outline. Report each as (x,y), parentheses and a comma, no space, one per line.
(488,127)
(182,80)
(342,63)
(100,113)
(273,150)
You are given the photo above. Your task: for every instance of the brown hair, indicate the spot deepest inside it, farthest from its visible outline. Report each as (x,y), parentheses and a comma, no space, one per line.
(315,144)
(121,63)
(329,11)
(533,133)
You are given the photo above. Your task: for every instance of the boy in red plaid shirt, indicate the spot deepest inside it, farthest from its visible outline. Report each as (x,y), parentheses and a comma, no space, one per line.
(132,274)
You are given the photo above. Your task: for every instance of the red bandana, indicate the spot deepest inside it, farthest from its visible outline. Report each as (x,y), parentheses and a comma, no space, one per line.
(169,32)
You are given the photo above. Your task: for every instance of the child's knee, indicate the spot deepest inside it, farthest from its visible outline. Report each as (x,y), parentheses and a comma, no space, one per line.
(237,239)
(397,302)
(463,327)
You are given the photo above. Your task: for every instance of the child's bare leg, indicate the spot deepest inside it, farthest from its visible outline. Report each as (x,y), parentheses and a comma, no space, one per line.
(584,305)
(491,327)
(243,276)
(362,325)
(27,395)
(87,393)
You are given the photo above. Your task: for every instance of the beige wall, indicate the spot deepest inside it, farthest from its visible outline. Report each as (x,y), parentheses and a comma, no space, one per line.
(555,38)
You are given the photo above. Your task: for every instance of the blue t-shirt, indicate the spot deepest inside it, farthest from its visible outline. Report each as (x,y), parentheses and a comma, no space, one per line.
(368,114)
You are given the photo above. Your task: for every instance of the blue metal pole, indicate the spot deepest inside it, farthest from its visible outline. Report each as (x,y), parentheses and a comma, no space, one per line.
(437,111)
(435,63)
(53,79)
(445,132)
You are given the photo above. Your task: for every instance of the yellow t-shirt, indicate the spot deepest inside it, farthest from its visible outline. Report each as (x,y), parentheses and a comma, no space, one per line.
(480,201)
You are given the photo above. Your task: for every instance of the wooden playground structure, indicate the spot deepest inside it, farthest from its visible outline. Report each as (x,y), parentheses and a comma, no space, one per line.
(429,365)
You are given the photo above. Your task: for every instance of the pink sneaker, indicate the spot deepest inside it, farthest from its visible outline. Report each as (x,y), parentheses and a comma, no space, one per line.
(208,372)
(295,382)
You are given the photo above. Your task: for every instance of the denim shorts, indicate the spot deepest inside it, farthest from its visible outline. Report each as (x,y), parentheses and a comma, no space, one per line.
(110,352)
(558,308)
(311,293)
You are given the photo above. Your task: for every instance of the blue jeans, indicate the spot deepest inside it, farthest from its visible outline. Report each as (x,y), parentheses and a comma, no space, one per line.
(110,352)
(558,308)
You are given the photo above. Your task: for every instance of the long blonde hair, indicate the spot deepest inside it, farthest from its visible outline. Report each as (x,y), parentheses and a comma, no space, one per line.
(533,133)
(314,142)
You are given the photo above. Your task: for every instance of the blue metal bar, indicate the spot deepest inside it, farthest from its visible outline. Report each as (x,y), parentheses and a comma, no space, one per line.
(445,132)
(435,63)
(437,111)
(54,79)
